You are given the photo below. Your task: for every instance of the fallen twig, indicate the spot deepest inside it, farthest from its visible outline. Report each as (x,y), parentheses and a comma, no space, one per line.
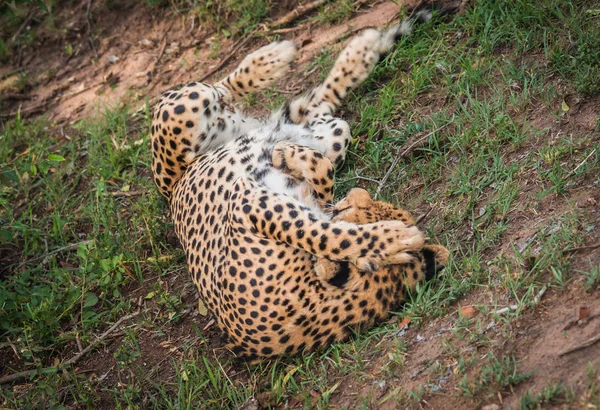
(164,46)
(10,73)
(425,215)
(208,325)
(41,107)
(162,50)
(224,61)
(505,310)
(510,308)
(13,347)
(291,91)
(84,89)
(406,151)
(538,297)
(587,343)
(25,113)
(297,12)
(70,247)
(122,193)
(79,345)
(287,30)
(89,28)
(12,161)
(570,174)
(22,375)
(26,22)
(19,97)
(579,322)
(581,248)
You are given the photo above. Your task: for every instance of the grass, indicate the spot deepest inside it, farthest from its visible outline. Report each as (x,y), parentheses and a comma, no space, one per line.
(550,395)
(49,302)
(84,235)
(335,12)
(558,394)
(496,375)
(231,17)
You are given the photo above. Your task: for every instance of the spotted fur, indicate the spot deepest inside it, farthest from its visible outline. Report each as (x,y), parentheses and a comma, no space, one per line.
(399,278)
(246,198)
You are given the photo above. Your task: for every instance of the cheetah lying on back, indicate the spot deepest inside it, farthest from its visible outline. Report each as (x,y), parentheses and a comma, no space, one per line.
(247,201)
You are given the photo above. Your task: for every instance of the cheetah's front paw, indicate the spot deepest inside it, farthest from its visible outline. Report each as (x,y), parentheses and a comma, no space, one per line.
(388,243)
(282,153)
(325,269)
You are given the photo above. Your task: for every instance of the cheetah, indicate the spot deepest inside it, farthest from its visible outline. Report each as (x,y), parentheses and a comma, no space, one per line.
(247,198)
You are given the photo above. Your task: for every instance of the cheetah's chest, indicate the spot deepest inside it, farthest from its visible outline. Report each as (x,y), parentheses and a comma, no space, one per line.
(226,260)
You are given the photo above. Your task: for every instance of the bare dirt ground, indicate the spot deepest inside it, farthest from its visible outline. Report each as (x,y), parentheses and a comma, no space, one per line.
(132,66)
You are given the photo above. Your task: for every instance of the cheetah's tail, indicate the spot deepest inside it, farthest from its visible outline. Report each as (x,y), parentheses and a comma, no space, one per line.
(421,14)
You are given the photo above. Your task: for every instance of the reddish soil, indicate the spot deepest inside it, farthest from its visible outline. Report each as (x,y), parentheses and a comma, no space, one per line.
(160,53)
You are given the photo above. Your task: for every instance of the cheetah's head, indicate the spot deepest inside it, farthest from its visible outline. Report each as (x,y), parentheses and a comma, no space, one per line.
(360,208)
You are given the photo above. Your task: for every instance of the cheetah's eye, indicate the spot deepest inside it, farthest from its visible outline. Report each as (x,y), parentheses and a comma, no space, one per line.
(335,212)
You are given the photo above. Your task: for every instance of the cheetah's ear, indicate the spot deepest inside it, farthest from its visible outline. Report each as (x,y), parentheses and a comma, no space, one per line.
(436,257)
(359,197)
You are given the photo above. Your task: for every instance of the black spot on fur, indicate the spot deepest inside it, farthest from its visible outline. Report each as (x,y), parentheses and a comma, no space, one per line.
(341,276)
(431,270)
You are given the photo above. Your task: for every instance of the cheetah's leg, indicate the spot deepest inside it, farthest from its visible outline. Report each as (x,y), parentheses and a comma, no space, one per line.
(308,165)
(352,67)
(326,269)
(326,134)
(187,123)
(334,134)
(315,109)
(258,70)
(367,246)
